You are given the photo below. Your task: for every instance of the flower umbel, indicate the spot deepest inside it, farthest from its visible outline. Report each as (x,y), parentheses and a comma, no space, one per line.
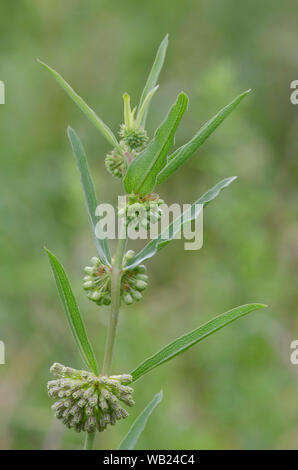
(97,282)
(135,138)
(115,163)
(86,402)
(141,211)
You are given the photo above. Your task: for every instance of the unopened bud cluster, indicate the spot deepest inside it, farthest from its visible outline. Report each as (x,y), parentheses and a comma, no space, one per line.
(134,137)
(141,211)
(115,162)
(133,141)
(86,402)
(97,282)
(133,281)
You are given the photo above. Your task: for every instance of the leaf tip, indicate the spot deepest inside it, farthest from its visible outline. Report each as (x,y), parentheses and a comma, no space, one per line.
(245,93)
(126,99)
(49,254)
(70,131)
(42,63)
(183,93)
(183,96)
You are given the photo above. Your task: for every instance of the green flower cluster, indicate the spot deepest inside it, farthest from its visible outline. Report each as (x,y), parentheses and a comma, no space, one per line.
(141,211)
(133,281)
(97,282)
(86,402)
(134,137)
(133,140)
(116,163)
(132,143)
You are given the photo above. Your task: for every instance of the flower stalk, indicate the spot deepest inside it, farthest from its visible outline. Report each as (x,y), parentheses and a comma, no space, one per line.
(115,300)
(89,440)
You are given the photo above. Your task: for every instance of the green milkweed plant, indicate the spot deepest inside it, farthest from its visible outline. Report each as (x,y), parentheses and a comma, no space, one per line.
(91,399)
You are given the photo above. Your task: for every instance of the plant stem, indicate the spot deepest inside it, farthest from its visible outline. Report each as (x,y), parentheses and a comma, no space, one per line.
(115,300)
(89,441)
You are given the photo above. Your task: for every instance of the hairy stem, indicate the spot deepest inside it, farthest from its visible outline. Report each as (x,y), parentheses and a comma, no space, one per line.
(89,441)
(115,300)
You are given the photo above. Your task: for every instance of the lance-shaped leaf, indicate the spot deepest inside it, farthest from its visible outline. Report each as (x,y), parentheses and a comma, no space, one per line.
(131,438)
(152,79)
(185,342)
(141,174)
(72,312)
(101,243)
(183,153)
(145,105)
(169,233)
(99,124)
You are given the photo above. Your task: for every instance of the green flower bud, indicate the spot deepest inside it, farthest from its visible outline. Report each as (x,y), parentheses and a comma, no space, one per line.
(141,269)
(124,378)
(128,255)
(142,277)
(88,270)
(141,285)
(127,399)
(87,285)
(96,296)
(56,369)
(95,261)
(96,402)
(127,299)
(136,294)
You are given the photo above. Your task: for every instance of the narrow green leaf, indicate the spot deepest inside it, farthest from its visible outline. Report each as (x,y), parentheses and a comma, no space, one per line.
(145,105)
(89,191)
(128,118)
(72,312)
(101,126)
(190,339)
(183,153)
(141,174)
(131,438)
(153,77)
(169,233)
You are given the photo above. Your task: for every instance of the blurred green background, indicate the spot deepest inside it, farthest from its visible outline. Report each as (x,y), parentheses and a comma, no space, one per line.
(238,389)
